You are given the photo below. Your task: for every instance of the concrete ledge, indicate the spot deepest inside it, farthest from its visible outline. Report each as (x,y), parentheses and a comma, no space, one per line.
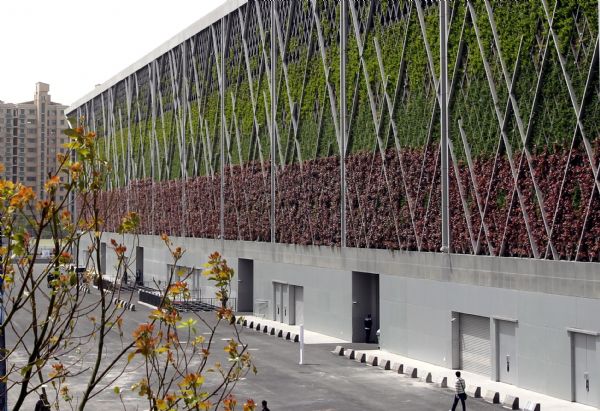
(492,397)
(349,353)
(532,406)
(384,364)
(511,402)
(410,371)
(441,382)
(399,368)
(372,360)
(360,356)
(338,350)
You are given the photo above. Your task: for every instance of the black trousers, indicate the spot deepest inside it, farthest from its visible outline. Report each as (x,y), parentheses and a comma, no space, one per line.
(462,397)
(368,334)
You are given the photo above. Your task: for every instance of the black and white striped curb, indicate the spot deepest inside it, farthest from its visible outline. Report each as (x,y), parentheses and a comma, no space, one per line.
(269,330)
(124,304)
(84,288)
(508,401)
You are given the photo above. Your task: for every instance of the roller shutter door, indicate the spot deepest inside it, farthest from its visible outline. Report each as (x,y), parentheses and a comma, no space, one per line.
(475,345)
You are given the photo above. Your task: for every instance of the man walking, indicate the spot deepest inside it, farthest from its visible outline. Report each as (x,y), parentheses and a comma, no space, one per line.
(368,326)
(460,392)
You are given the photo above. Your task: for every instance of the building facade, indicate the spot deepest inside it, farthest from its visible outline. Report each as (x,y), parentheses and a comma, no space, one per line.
(31,137)
(433,164)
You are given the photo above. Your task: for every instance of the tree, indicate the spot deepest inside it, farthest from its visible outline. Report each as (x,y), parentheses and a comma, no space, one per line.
(51,321)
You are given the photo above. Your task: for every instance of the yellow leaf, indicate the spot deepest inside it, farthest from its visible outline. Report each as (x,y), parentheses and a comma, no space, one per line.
(161,350)
(161,404)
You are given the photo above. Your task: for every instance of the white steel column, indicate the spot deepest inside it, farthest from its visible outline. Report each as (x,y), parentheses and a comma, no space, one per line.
(343,35)
(222,216)
(443,100)
(273,115)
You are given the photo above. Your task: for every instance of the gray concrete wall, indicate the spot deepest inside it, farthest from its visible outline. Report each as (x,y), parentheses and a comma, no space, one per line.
(327,294)
(416,322)
(158,260)
(419,292)
(550,277)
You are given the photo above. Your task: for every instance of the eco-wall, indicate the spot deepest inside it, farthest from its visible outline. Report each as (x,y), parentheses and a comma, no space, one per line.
(194,128)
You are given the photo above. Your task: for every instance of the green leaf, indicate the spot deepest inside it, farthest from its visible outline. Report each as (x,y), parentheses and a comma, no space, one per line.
(70,132)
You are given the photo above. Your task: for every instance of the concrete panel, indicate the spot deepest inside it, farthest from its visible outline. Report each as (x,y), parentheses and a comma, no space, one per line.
(327,297)
(585,310)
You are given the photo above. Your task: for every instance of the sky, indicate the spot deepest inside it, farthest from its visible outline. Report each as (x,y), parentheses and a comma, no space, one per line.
(75,44)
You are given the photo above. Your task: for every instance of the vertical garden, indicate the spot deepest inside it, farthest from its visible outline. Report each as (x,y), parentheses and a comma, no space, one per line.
(194,128)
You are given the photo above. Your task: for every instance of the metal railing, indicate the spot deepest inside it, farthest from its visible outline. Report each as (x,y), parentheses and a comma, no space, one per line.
(153,297)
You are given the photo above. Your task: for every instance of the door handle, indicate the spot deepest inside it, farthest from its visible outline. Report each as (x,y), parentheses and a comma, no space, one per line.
(508,363)
(587,381)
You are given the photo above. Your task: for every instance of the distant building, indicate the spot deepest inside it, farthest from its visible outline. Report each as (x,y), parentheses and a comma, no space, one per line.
(30,137)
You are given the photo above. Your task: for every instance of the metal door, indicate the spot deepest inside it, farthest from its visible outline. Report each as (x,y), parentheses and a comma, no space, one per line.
(139,265)
(586,375)
(288,297)
(507,352)
(102,269)
(278,297)
(475,346)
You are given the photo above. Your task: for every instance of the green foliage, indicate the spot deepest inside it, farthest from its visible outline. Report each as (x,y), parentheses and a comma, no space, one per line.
(304,92)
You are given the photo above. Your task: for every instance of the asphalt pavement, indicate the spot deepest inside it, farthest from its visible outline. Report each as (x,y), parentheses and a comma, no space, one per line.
(324,382)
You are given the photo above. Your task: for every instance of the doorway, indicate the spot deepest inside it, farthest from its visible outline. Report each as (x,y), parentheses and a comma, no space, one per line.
(585,364)
(245,295)
(475,348)
(365,301)
(289,303)
(139,265)
(508,366)
(102,269)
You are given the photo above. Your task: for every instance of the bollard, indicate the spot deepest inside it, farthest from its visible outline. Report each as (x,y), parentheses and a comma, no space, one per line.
(301,344)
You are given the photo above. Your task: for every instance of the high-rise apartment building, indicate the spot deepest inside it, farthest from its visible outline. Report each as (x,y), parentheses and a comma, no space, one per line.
(31,137)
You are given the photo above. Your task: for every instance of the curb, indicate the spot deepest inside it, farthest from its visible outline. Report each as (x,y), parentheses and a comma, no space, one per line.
(508,401)
(270,330)
(124,304)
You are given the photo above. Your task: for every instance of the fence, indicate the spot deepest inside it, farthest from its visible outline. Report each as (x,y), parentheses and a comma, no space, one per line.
(154,297)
